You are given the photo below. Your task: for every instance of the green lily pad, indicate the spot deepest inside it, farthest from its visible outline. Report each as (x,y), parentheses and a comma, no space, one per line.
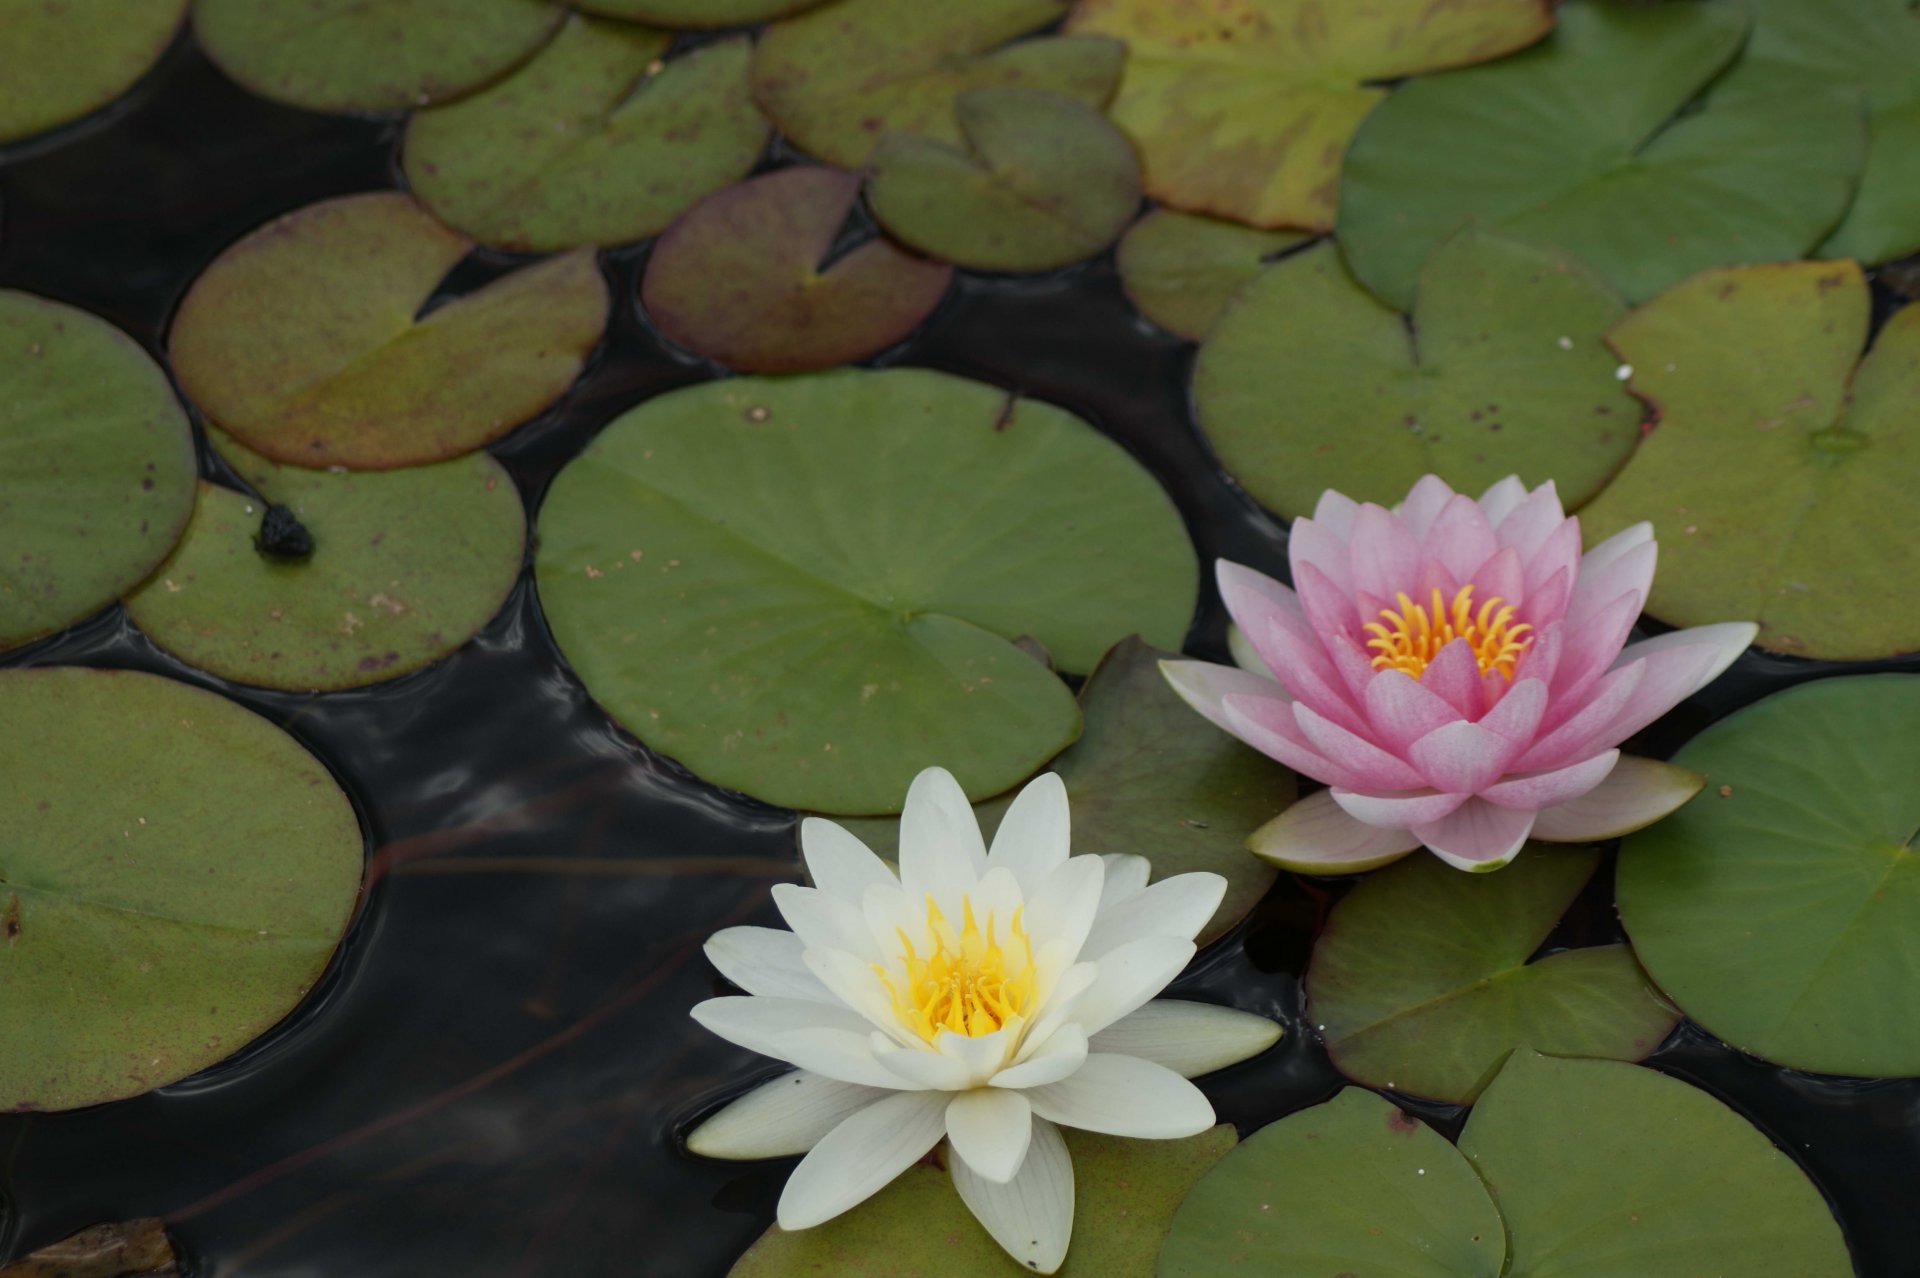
(1242,108)
(1350,1187)
(839,77)
(1781,909)
(62,61)
(1776,466)
(739,278)
(1576,142)
(175,873)
(807,588)
(98,465)
(1150,777)
(1602,1168)
(1125,1194)
(407,565)
(596,140)
(1181,269)
(1308,383)
(695,13)
(1421,981)
(1043,181)
(302,338)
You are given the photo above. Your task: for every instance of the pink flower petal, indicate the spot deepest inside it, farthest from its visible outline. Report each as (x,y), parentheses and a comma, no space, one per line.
(1591,646)
(1312,542)
(1560,552)
(1429,496)
(1542,656)
(1622,569)
(1477,835)
(1586,731)
(1206,686)
(1367,765)
(1499,577)
(1329,607)
(1678,665)
(1267,724)
(1354,664)
(1461,758)
(1460,538)
(1454,673)
(1383,555)
(1503,499)
(1547,602)
(1402,710)
(1635,794)
(1529,792)
(1528,525)
(1517,717)
(1316,836)
(1335,513)
(1433,575)
(1302,665)
(1397,811)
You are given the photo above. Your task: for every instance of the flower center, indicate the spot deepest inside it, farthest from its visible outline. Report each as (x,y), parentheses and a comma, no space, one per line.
(1409,640)
(972,983)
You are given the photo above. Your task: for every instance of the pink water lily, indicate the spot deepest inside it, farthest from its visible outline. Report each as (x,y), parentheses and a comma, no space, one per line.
(1457,672)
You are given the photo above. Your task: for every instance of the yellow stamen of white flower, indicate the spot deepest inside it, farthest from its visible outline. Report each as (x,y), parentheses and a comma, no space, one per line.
(1409,640)
(970,984)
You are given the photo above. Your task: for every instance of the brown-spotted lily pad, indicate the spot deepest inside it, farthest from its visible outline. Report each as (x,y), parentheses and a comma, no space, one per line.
(175,873)
(302,338)
(597,140)
(60,61)
(837,78)
(404,566)
(739,278)
(695,13)
(96,465)
(1181,269)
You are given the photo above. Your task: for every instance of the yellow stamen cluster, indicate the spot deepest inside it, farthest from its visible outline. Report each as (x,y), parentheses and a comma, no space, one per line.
(970,984)
(1409,640)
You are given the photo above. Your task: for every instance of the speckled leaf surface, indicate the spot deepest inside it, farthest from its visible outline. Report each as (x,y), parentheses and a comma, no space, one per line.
(1181,269)
(59,62)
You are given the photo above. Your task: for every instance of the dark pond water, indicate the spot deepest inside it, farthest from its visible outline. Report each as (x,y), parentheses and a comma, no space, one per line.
(492,1080)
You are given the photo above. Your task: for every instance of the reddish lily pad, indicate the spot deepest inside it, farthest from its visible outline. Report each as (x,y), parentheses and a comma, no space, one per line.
(1181,269)
(175,873)
(695,13)
(59,62)
(596,140)
(406,566)
(1242,108)
(739,278)
(839,77)
(302,338)
(96,465)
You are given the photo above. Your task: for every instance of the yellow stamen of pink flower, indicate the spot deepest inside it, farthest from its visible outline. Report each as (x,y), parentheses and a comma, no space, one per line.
(1409,640)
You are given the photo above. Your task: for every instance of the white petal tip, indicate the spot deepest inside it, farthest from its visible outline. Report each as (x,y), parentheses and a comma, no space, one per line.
(1471,866)
(1317,836)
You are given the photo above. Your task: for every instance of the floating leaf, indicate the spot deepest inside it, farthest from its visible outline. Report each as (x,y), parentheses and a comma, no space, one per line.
(302,338)
(96,465)
(594,141)
(177,871)
(696,13)
(1125,1193)
(1777,467)
(406,566)
(1421,980)
(837,78)
(739,278)
(1150,777)
(1576,143)
(1781,909)
(806,588)
(1043,181)
(1241,108)
(349,55)
(1308,383)
(1181,269)
(59,62)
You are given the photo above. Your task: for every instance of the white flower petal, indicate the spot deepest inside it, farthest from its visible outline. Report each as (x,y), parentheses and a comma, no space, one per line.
(1188,1038)
(989,1130)
(1061,1004)
(984,1056)
(1317,836)
(1635,794)
(1064,907)
(1129,976)
(765,960)
(838,862)
(1126,876)
(1179,906)
(845,1054)
(786,1115)
(941,852)
(1059,1055)
(1031,1216)
(1728,639)
(921,1066)
(853,983)
(861,1156)
(1124,1096)
(1034,835)
(756,1022)
(822,921)
(888,914)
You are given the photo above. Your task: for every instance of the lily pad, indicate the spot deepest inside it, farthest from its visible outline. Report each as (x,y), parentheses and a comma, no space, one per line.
(303,339)
(1576,142)
(1242,108)
(1043,181)
(1181,269)
(98,465)
(406,566)
(175,873)
(1776,466)
(349,55)
(740,278)
(839,77)
(596,140)
(807,588)
(695,13)
(1125,1194)
(1308,383)
(1421,980)
(1782,908)
(1150,777)
(62,61)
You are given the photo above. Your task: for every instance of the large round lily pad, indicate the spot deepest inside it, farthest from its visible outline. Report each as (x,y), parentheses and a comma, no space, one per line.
(1242,108)
(1781,909)
(96,465)
(1421,980)
(594,141)
(1181,269)
(1042,181)
(60,61)
(740,278)
(303,340)
(1576,142)
(175,873)
(350,55)
(1777,472)
(1308,383)
(838,78)
(695,13)
(406,565)
(807,588)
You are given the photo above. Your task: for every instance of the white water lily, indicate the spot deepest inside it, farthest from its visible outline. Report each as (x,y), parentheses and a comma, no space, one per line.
(981,997)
